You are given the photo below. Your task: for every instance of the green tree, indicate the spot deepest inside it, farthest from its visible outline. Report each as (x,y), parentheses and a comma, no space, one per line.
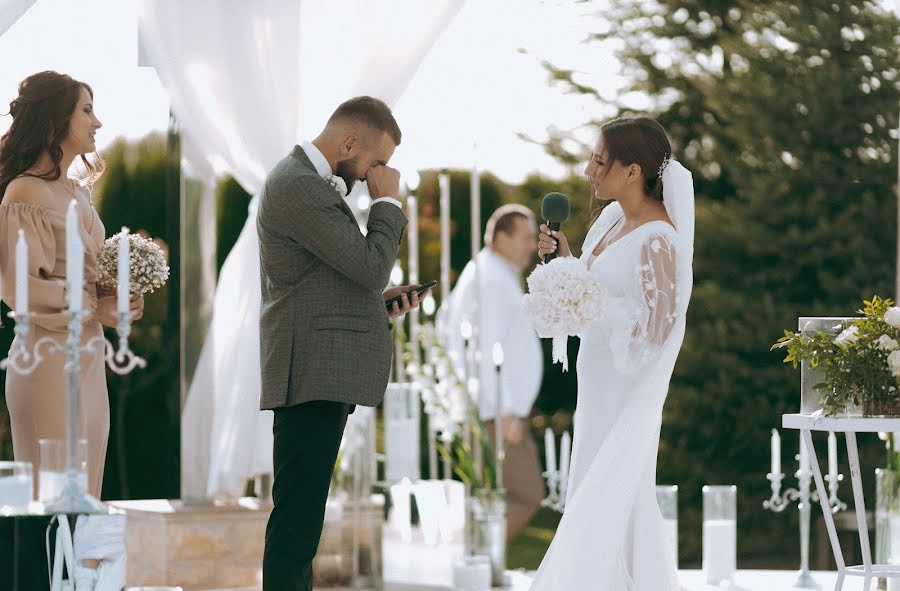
(785,113)
(144,451)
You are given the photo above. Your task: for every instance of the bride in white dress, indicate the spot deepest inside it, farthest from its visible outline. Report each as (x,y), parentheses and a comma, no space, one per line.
(611,535)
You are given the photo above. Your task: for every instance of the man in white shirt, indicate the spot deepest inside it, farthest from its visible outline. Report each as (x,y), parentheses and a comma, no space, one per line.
(492,303)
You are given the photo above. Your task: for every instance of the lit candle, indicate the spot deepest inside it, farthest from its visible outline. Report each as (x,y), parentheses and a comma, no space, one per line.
(21,274)
(124,273)
(776,452)
(74,258)
(444,182)
(550,451)
(565,450)
(832,455)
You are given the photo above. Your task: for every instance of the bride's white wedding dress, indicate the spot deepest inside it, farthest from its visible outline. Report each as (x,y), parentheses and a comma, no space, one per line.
(611,535)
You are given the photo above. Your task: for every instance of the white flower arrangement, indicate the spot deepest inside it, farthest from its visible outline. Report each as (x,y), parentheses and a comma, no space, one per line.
(149,270)
(847,337)
(892,316)
(338,184)
(563,299)
(861,365)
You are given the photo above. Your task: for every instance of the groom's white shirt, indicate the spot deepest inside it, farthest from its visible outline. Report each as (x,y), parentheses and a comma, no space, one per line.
(324,169)
(495,304)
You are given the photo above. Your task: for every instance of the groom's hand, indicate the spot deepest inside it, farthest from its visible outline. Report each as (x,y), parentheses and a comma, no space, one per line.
(383,181)
(408,296)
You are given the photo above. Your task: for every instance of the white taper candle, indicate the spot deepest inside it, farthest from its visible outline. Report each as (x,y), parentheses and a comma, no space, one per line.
(124,287)
(776,452)
(832,454)
(565,450)
(550,450)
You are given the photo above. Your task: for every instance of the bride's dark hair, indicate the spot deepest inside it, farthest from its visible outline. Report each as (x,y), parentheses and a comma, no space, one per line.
(641,141)
(41,115)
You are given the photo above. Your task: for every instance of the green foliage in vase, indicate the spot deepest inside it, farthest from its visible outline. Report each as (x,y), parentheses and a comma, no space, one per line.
(856,362)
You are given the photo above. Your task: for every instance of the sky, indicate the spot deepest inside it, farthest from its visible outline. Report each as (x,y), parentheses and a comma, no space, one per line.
(480,86)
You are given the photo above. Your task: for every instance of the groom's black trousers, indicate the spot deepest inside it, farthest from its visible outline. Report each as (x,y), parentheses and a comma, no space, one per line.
(307,438)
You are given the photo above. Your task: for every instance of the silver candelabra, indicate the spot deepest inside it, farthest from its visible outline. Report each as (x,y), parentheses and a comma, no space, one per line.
(25,359)
(779,501)
(557,479)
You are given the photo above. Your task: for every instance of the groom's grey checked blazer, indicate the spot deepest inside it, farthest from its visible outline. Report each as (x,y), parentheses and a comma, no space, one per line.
(324,330)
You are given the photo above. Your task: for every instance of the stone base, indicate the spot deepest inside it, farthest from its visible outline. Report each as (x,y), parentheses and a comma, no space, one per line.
(199,547)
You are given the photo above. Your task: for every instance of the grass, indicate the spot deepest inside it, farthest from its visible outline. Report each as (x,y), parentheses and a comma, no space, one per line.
(528,548)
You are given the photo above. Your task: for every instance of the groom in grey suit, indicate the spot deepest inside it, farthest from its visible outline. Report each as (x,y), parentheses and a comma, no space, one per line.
(325,333)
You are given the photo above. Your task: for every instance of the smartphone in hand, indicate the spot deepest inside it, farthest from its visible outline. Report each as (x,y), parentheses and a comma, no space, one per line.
(389,304)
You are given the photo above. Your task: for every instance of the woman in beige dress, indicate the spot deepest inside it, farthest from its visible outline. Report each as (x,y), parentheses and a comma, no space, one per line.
(53,122)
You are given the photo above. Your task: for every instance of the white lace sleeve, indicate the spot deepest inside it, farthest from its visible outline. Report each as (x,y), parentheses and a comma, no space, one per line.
(648,311)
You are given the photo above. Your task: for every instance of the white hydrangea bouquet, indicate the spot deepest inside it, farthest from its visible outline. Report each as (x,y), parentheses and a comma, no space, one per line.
(563,299)
(149,270)
(861,364)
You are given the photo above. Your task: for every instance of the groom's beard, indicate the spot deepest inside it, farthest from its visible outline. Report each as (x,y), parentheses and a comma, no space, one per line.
(347,170)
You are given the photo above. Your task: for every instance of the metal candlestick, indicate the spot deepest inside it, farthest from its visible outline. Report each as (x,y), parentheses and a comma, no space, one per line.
(779,501)
(74,497)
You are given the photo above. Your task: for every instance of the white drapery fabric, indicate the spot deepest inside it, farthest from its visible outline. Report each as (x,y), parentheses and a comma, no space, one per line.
(247,81)
(10,11)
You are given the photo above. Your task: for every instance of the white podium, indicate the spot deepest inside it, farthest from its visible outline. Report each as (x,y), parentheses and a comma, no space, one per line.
(849,426)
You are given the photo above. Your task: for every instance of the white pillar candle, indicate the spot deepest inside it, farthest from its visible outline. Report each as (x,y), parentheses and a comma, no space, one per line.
(401,516)
(444,182)
(776,452)
(472,573)
(832,455)
(21,274)
(670,535)
(550,450)
(719,550)
(124,273)
(74,257)
(565,450)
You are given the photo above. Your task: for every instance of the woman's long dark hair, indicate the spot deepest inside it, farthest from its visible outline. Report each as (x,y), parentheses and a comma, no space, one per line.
(641,141)
(41,115)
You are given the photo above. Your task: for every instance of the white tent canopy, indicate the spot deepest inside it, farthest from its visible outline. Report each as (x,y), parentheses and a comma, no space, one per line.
(246,84)
(10,11)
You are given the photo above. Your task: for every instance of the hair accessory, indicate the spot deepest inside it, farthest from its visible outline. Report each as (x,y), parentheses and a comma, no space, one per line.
(662,167)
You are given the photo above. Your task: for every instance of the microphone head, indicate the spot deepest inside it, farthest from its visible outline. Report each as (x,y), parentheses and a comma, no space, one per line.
(555,207)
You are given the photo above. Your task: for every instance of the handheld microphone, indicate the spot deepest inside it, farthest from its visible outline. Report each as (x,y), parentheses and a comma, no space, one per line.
(554,210)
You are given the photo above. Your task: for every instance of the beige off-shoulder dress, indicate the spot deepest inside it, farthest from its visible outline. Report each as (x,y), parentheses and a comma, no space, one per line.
(36,401)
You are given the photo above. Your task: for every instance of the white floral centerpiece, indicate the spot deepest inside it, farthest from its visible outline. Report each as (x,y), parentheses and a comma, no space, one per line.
(446,401)
(563,298)
(861,364)
(148,267)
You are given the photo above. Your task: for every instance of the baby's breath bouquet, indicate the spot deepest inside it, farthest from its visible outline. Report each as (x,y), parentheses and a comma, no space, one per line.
(861,364)
(149,270)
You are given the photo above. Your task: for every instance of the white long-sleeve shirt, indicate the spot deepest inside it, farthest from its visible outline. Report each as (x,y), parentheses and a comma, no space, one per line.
(500,318)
